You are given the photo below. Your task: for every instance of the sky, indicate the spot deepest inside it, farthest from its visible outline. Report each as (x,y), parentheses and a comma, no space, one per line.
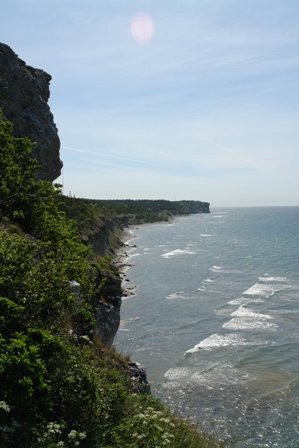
(169,99)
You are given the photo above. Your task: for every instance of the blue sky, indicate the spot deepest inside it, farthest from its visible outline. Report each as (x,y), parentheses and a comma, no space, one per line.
(208,109)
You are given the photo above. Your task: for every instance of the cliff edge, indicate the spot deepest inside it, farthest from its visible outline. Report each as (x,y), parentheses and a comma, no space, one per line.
(24,95)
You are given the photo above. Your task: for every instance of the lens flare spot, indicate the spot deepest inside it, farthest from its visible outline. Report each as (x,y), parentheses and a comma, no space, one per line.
(142,28)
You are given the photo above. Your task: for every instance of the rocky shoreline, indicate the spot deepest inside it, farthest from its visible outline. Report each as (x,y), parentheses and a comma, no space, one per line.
(123,263)
(137,372)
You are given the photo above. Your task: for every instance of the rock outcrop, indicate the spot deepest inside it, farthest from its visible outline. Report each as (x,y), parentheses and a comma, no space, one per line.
(105,236)
(107,305)
(138,377)
(107,321)
(24,95)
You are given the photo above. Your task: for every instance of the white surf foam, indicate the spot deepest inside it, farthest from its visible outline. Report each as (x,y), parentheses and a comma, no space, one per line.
(178,295)
(244,301)
(178,374)
(224,312)
(205,234)
(218,340)
(215,268)
(263,290)
(245,312)
(219,376)
(124,323)
(248,323)
(177,252)
(205,283)
(273,279)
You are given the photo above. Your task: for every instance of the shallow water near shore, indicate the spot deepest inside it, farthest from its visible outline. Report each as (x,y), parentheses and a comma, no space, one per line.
(215,321)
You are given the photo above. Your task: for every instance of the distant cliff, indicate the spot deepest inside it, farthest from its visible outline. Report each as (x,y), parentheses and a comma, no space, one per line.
(24,95)
(101,222)
(141,211)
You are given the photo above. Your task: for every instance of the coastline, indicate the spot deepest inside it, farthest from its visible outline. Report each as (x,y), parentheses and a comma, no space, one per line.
(122,260)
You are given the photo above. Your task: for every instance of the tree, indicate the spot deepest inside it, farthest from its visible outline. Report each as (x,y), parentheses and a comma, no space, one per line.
(17,172)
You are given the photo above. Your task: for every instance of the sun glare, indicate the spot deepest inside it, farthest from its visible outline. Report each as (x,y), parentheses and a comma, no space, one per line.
(142,28)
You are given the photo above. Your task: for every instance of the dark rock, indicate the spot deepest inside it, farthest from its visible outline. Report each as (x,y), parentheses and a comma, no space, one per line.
(107,322)
(107,305)
(106,311)
(138,378)
(24,95)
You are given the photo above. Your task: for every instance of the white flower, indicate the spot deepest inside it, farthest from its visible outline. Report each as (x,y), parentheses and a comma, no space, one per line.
(72,434)
(165,420)
(4,406)
(141,416)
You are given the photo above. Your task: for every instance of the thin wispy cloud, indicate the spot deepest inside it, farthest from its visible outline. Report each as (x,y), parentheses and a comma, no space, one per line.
(109,156)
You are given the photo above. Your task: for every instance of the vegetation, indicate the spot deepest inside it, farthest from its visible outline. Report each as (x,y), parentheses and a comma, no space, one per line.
(90,213)
(100,221)
(59,386)
(148,211)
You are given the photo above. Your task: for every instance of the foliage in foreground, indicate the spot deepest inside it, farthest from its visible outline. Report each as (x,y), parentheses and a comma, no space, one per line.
(59,387)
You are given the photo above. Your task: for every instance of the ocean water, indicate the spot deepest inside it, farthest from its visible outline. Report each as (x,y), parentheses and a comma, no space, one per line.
(215,320)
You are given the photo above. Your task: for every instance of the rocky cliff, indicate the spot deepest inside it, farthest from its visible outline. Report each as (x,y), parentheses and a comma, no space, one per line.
(105,238)
(107,307)
(24,95)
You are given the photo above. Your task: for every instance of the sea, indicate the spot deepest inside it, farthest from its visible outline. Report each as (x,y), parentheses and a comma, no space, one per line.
(215,320)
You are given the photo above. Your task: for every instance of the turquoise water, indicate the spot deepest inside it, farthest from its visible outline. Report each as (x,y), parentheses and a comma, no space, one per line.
(215,320)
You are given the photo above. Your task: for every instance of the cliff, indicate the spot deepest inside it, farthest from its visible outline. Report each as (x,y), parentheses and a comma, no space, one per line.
(106,305)
(24,95)
(141,211)
(105,237)
(59,384)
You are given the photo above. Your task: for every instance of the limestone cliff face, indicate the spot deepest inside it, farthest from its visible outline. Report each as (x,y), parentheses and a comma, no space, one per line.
(24,95)
(107,307)
(107,321)
(105,236)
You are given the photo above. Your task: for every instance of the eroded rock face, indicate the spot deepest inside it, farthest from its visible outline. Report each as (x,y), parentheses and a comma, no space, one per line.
(107,321)
(138,378)
(24,95)
(107,305)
